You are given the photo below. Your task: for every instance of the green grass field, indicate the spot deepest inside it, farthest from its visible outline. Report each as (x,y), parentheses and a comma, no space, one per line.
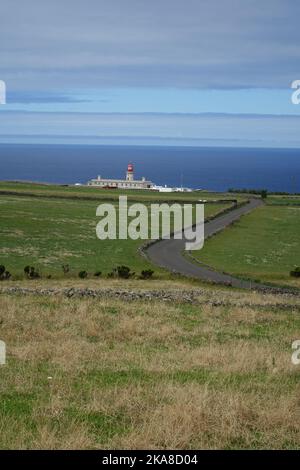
(103,373)
(283,200)
(89,192)
(263,245)
(47,233)
(58,227)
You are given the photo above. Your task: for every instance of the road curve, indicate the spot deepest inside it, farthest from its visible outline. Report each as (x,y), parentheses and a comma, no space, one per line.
(169,253)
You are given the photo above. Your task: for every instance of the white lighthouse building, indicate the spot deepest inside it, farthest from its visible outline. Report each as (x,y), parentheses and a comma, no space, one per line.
(129,173)
(128,183)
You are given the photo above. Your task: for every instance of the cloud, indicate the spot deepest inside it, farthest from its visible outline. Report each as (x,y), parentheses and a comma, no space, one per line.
(247,130)
(193,44)
(29,97)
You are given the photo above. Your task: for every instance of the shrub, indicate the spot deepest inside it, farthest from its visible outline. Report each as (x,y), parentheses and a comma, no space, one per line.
(124,272)
(65,268)
(4,275)
(147,274)
(31,272)
(82,274)
(34,274)
(295,272)
(264,193)
(97,273)
(27,270)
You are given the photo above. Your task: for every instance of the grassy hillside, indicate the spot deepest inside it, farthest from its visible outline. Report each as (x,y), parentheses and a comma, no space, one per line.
(182,367)
(89,192)
(104,373)
(283,200)
(262,245)
(48,233)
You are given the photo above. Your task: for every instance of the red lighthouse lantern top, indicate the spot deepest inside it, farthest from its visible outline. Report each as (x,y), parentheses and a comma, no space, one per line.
(130,168)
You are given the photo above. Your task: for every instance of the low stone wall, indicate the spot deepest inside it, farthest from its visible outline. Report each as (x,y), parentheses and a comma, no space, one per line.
(191,296)
(164,295)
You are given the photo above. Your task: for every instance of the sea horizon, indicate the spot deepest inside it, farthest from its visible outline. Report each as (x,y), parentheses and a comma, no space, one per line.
(212,168)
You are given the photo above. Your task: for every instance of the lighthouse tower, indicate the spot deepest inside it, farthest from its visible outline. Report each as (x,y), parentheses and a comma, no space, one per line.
(129,173)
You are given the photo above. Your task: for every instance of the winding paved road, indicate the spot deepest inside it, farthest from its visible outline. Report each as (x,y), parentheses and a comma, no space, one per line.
(169,253)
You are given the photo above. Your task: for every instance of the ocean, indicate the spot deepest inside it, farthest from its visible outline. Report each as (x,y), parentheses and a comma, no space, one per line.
(196,167)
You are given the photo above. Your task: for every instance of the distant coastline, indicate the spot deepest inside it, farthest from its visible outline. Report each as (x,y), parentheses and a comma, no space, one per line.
(213,168)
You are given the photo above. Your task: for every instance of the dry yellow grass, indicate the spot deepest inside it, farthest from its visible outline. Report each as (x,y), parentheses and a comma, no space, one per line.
(102,373)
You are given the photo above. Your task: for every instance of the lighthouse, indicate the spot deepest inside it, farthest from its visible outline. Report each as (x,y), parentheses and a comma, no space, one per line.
(129,173)
(128,183)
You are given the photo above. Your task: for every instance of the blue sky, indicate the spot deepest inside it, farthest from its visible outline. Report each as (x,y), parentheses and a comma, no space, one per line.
(198,72)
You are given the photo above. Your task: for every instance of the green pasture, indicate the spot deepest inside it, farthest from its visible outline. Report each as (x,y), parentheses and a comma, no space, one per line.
(47,233)
(263,245)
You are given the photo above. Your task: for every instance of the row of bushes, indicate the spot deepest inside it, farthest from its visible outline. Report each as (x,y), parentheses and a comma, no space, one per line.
(122,272)
(261,192)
